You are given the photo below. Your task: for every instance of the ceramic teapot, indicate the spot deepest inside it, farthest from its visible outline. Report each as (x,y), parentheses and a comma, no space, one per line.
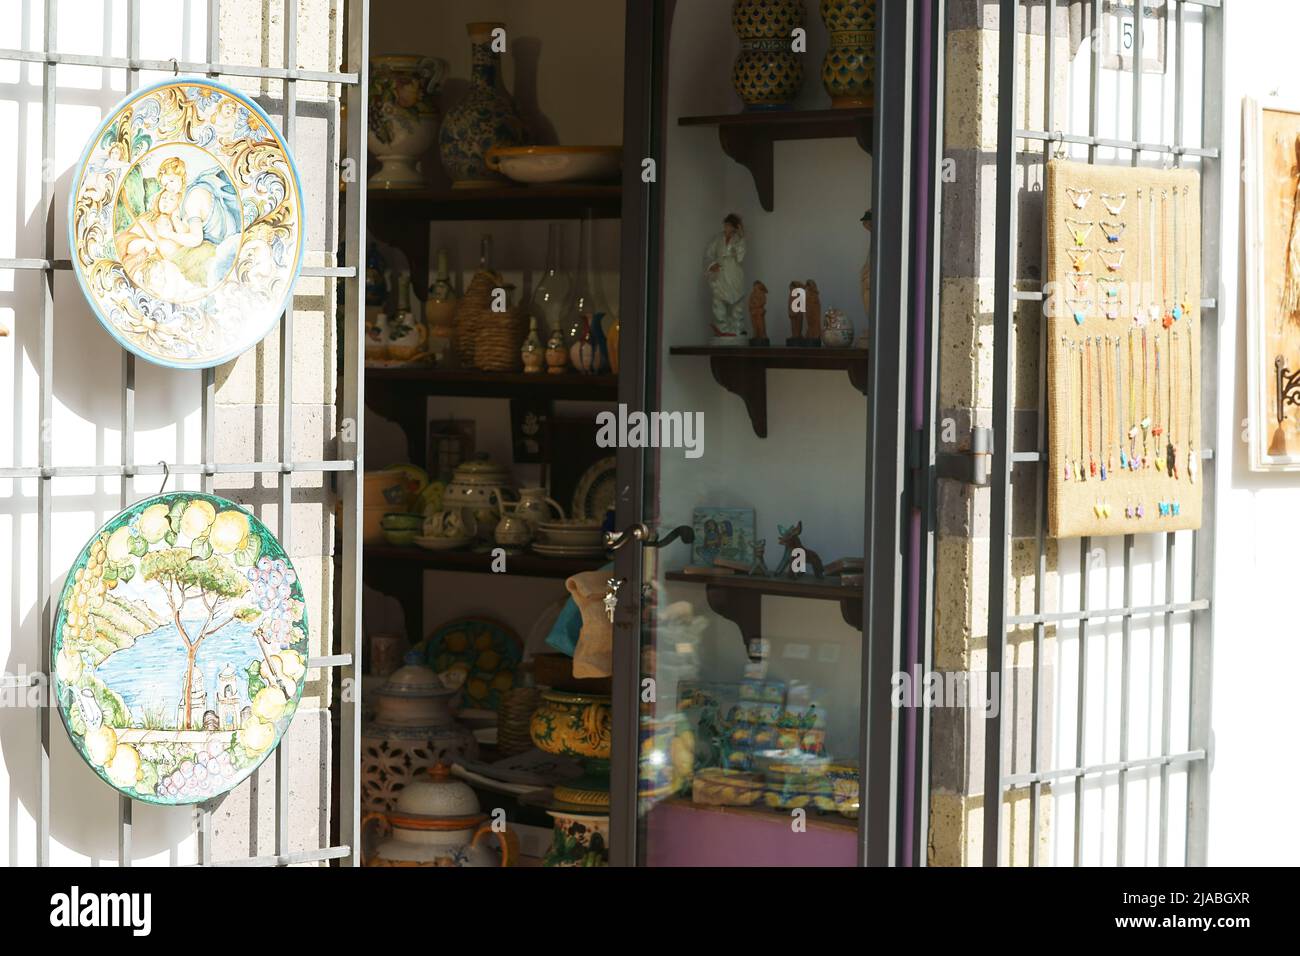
(476,489)
(436,822)
(535,506)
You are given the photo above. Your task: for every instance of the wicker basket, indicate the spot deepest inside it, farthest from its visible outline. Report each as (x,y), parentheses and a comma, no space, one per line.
(475,305)
(498,338)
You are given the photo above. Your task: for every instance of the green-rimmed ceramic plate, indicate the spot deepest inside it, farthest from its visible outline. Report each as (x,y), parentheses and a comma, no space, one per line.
(180,648)
(487,651)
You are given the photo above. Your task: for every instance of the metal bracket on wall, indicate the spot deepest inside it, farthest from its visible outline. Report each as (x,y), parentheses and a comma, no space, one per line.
(969,467)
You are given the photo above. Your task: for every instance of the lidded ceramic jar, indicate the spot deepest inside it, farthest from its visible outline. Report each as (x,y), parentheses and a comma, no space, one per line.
(767,73)
(436,821)
(413,730)
(837,330)
(475,489)
(849,69)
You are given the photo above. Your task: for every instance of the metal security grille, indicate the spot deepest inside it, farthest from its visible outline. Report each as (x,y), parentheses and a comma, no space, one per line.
(1181,610)
(349,86)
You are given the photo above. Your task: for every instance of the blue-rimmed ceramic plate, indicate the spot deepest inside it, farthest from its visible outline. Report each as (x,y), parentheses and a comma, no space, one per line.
(185,223)
(180,648)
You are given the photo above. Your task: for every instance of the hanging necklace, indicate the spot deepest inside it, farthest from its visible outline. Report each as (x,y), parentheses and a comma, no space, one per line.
(1176,312)
(1080,230)
(1115,203)
(1171,451)
(1138,317)
(1078,196)
(1146,403)
(1110,404)
(1132,406)
(1080,308)
(1153,310)
(1113,231)
(1080,259)
(1157,429)
(1069,407)
(1092,417)
(1116,260)
(1082,282)
(1192,462)
(1167,319)
(1187,292)
(1119,404)
(1080,469)
(1110,287)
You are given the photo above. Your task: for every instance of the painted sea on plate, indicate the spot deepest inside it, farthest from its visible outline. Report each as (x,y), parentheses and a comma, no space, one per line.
(180,648)
(185,223)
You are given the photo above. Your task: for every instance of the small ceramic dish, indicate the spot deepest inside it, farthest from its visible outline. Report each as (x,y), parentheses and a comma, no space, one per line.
(556,164)
(402,521)
(400,539)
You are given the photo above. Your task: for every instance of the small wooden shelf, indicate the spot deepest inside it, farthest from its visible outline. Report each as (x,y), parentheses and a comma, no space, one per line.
(401,217)
(743,371)
(739,598)
(748,137)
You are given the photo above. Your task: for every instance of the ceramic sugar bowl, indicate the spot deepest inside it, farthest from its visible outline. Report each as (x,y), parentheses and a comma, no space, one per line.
(437,822)
(413,730)
(475,489)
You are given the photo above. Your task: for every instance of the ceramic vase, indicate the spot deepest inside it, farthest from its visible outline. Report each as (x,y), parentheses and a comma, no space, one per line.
(577,725)
(837,330)
(767,73)
(557,355)
(849,69)
(440,310)
(403,116)
(485,117)
(413,730)
(582,354)
(579,839)
(532,352)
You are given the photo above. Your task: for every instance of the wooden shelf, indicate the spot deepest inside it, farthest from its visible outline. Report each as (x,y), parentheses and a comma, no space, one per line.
(748,137)
(743,371)
(819,819)
(401,217)
(475,383)
(739,598)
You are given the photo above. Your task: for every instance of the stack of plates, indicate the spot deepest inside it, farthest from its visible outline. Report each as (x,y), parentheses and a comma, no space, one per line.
(515,718)
(570,538)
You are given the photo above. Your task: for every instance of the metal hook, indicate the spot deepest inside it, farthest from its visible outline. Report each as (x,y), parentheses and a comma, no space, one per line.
(167,473)
(1059,137)
(176,67)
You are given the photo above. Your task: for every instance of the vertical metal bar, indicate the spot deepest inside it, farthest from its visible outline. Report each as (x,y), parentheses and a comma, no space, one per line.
(1166,691)
(1003,425)
(1040,475)
(1139,15)
(290,88)
(208,426)
(1094,82)
(124,803)
(1081,705)
(1125,672)
(45,494)
(1214,35)
(1180,75)
(351,440)
(886,437)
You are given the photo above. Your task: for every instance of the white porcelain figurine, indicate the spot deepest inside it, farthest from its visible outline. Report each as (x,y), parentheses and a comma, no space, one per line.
(726,279)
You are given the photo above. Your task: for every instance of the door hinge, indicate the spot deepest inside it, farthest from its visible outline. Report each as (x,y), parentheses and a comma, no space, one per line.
(970,467)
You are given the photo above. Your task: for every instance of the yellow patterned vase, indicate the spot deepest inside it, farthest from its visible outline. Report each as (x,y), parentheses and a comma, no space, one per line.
(849,69)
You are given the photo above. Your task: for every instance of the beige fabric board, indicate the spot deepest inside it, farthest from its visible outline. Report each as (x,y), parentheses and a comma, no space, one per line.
(1123,249)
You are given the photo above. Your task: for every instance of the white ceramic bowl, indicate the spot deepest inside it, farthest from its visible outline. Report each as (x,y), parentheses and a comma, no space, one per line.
(556,164)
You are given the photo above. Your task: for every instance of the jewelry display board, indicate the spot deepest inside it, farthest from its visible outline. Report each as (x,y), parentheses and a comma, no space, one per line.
(1122,304)
(1272,267)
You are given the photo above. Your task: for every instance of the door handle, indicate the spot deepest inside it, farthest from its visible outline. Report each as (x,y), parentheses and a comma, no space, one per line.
(641,532)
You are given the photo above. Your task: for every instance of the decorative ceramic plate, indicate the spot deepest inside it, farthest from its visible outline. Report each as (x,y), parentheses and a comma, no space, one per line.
(180,648)
(487,651)
(185,223)
(595,492)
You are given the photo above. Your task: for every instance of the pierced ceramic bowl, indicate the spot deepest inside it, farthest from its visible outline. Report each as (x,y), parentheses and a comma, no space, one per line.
(556,164)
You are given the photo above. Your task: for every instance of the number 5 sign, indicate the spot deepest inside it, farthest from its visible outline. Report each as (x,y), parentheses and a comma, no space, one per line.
(1120,34)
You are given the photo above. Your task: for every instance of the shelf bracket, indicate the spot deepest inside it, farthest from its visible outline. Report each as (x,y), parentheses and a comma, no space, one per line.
(752,148)
(749,381)
(744,608)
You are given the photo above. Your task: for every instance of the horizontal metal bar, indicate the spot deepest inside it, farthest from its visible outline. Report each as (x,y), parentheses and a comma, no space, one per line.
(330,660)
(308,272)
(1043,776)
(1129,144)
(290,859)
(329,272)
(1030,457)
(135,471)
(1032,296)
(1055,617)
(177,66)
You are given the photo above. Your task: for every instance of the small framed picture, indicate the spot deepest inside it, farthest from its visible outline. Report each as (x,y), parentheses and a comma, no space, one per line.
(726,533)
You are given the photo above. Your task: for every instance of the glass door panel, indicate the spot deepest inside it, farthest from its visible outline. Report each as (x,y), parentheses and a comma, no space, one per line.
(754,454)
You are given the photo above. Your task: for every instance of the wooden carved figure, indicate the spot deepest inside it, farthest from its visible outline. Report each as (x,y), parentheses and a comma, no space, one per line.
(759,567)
(758,313)
(795,306)
(789,539)
(814,332)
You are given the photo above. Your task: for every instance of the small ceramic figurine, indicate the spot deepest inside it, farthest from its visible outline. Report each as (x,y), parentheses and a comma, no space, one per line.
(789,539)
(531,351)
(796,304)
(759,567)
(726,280)
(582,354)
(758,314)
(813,336)
(557,355)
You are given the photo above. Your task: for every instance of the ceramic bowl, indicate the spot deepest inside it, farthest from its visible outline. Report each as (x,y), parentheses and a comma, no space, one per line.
(575,532)
(401,521)
(574,725)
(556,164)
(401,539)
